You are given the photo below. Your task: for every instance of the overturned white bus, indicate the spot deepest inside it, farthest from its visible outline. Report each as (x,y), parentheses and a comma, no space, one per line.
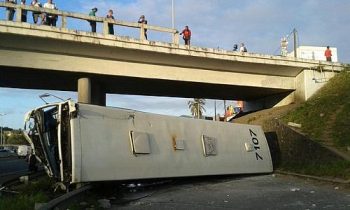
(86,143)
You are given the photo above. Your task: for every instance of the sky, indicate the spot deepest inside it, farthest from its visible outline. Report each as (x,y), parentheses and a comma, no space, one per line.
(260,24)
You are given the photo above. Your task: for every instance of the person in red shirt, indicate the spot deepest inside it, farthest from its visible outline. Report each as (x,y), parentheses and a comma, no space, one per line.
(186,35)
(328,54)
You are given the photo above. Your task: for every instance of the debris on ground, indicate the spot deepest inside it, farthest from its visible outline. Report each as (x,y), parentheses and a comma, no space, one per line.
(295,125)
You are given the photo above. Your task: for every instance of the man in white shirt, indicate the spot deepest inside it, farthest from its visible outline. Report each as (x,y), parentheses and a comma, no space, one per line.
(50,18)
(243,48)
(36,3)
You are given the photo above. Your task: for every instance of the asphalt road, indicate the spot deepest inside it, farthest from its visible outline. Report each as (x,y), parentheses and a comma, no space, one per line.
(256,192)
(12,166)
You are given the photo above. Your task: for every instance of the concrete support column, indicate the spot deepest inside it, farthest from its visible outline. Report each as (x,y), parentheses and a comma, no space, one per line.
(91,92)
(98,94)
(84,90)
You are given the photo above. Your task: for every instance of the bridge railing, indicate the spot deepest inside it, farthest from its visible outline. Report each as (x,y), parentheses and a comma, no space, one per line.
(105,21)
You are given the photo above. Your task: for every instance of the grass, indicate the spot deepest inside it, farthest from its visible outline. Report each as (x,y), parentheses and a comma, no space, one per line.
(39,191)
(327,113)
(341,133)
(325,118)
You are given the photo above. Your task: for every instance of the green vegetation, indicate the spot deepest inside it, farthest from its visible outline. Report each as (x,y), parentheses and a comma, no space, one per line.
(35,192)
(326,116)
(12,136)
(326,119)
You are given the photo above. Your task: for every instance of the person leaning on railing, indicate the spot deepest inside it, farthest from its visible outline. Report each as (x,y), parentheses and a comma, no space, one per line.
(110,25)
(50,19)
(36,3)
(93,23)
(24,12)
(10,12)
(143,20)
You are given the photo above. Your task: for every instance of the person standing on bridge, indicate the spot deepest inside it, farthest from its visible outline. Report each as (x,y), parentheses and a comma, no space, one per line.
(50,18)
(93,23)
(110,25)
(328,54)
(143,20)
(10,12)
(24,12)
(243,48)
(235,47)
(186,35)
(36,3)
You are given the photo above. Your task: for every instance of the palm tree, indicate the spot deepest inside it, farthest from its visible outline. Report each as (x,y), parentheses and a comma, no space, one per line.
(196,107)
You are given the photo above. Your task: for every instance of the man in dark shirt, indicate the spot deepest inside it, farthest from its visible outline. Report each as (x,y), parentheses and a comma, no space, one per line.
(110,25)
(93,23)
(143,20)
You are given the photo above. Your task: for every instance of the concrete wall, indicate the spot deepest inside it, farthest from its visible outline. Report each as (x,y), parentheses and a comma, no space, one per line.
(292,149)
(310,81)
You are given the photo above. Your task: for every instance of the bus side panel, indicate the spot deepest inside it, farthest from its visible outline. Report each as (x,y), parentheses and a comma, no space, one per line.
(102,149)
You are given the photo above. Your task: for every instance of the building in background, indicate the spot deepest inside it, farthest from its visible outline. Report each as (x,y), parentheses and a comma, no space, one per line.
(314,53)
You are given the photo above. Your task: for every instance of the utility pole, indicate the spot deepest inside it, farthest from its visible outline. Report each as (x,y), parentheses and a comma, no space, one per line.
(295,42)
(214,110)
(172,14)
(1,139)
(224,108)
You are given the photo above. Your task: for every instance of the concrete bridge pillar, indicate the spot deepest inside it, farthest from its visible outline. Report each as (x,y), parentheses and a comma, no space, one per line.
(91,92)
(98,94)
(84,90)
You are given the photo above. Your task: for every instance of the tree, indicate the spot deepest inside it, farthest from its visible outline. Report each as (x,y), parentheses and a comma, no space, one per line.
(196,107)
(15,137)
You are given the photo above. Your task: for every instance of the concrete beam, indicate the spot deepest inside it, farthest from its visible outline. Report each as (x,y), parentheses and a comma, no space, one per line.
(83,65)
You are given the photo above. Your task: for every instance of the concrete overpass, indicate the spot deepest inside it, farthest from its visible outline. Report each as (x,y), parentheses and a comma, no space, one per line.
(43,57)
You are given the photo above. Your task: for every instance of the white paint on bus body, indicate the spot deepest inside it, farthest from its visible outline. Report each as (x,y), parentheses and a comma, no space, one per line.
(104,146)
